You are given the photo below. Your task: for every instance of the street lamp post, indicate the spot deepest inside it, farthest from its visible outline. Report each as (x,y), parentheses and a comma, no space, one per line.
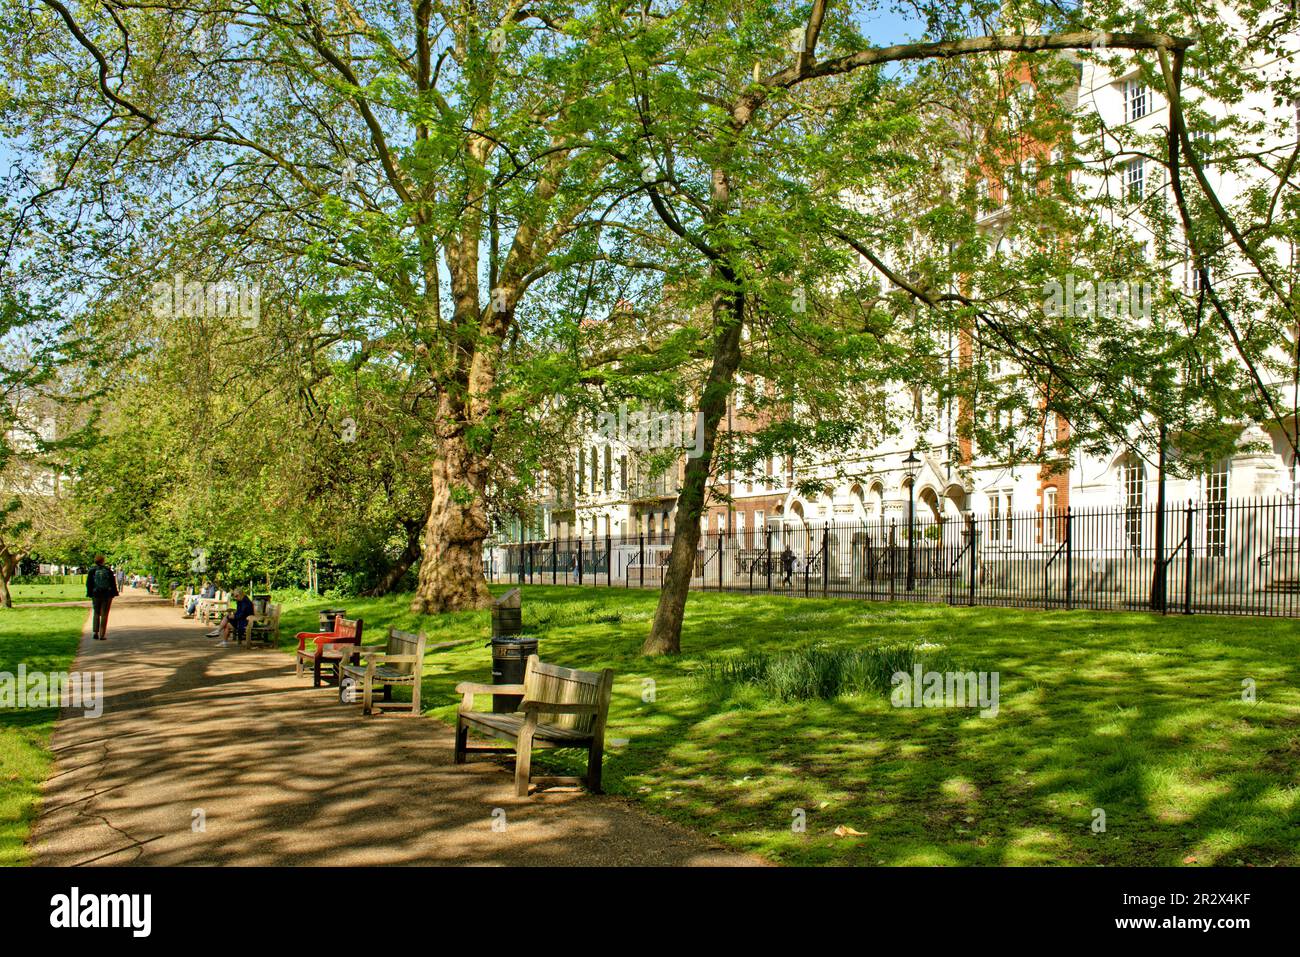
(911,466)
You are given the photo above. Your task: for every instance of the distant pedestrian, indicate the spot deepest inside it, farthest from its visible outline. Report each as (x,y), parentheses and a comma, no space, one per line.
(787,566)
(101,589)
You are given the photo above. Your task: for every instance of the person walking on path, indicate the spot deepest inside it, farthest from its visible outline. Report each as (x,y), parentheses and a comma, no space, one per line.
(101,589)
(787,565)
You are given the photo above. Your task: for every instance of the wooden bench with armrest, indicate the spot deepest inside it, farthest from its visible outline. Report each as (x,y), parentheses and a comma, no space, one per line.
(210,610)
(561,708)
(400,661)
(312,645)
(264,626)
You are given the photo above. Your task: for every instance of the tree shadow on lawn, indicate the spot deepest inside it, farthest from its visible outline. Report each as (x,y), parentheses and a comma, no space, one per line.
(1138,716)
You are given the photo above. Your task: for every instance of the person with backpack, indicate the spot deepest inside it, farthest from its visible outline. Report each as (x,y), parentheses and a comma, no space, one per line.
(101,589)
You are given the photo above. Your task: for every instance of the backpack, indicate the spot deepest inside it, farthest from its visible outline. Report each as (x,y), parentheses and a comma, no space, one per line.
(102,579)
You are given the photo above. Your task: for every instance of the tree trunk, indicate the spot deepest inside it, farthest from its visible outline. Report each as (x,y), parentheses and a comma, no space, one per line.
(665,636)
(388,581)
(1158,577)
(451,575)
(8,567)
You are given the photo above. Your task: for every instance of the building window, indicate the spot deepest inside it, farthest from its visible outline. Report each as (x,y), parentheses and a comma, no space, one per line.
(1133,478)
(1133,173)
(1136,100)
(1029,173)
(1000,517)
(740,527)
(1022,101)
(1216,510)
(1049,515)
(609,469)
(760,521)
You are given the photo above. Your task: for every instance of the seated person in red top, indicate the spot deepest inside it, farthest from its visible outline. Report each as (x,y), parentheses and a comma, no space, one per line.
(234,622)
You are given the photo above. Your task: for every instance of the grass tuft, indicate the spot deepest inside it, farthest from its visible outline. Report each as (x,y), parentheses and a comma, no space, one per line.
(814,672)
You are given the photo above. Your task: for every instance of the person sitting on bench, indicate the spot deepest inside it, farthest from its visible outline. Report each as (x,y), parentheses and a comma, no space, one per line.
(234,622)
(192,603)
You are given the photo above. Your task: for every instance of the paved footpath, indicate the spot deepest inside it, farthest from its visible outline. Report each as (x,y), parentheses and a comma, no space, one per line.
(280,773)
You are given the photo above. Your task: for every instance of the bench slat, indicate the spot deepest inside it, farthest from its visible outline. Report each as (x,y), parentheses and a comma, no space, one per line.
(508,725)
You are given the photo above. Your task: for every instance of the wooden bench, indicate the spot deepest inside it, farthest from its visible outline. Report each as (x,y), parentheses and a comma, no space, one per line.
(399,662)
(209,610)
(562,708)
(264,627)
(347,631)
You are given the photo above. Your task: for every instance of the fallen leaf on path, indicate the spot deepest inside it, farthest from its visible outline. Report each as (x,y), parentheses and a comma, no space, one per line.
(845,831)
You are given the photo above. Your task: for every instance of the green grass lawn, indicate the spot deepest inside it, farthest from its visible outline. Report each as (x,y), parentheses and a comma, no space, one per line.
(45,639)
(1139,716)
(24,594)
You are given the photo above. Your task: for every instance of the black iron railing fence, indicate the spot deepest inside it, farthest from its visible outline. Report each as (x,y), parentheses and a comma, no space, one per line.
(1239,557)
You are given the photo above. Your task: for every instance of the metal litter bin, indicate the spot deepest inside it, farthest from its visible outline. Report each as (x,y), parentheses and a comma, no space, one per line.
(327,618)
(509,658)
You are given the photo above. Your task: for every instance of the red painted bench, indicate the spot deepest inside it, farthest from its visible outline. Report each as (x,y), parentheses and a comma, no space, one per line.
(312,644)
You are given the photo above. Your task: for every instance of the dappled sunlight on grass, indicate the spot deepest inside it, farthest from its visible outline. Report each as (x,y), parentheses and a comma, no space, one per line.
(43,639)
(1139,716)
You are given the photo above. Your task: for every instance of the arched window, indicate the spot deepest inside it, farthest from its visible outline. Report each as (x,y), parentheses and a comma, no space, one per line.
(876,500)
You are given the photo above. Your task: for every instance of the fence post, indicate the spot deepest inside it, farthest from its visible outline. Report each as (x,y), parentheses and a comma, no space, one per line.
(826,564)
(767,558)
(609,561)
(1046,565)
(893,555)
(719,561)
(555,559)
(1187,583)
(1069,558)
(579,559)
(974,561)
(640,550)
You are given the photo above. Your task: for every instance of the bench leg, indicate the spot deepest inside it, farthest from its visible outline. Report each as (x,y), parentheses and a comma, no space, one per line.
(595,754)
(462,740)
(368,697)
(297,666)
(524,759)
(315,673)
